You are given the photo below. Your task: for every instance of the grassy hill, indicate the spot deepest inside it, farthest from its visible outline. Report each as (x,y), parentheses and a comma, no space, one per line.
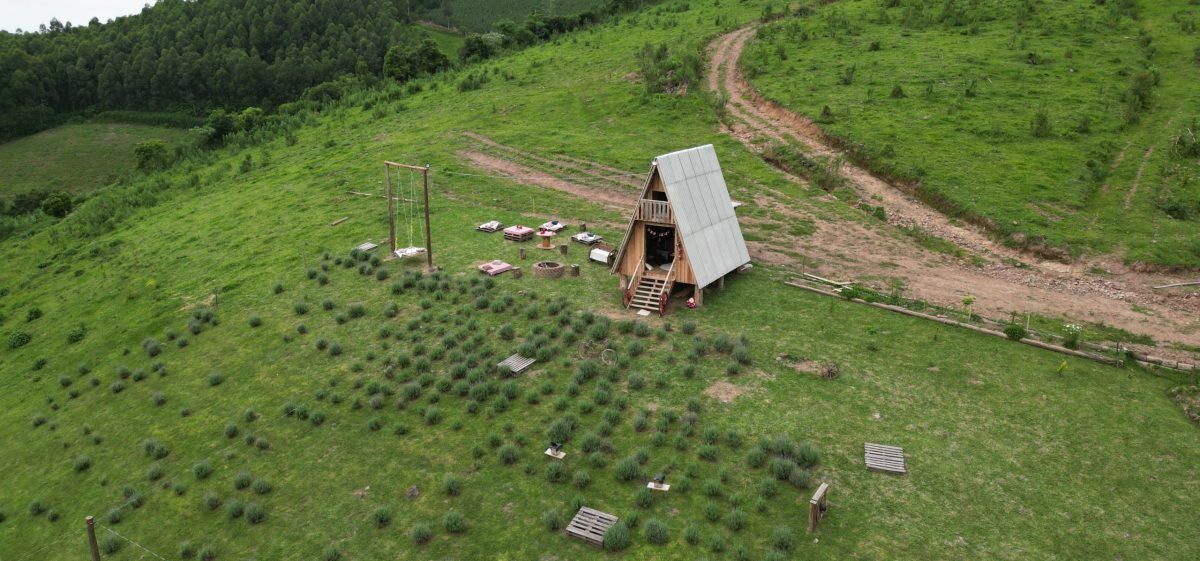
(1055,123)
(75,158)
(1014,452)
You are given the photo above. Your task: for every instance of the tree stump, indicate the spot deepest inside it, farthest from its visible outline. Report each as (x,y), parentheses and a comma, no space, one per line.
(574,270)
(563,249)
(516,272)
(522,251)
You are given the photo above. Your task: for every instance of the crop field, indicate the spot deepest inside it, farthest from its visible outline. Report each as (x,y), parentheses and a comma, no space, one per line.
(75,158)
(197,359)
(1063,124)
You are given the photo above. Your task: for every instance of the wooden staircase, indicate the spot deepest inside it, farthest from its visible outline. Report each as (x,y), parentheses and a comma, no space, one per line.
(649,292)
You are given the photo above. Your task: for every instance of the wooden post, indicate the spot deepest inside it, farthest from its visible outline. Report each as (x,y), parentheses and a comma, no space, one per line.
(817,507)
(563,249)
(699,296)
(522,253)
(721,283)
(91,530)
(428,243)
(574,270)
(390,211)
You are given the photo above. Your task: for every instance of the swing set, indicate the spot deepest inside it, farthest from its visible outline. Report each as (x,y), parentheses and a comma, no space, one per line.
(411,250)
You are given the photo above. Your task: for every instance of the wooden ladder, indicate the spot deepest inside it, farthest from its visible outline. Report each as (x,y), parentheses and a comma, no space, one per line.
(649,292)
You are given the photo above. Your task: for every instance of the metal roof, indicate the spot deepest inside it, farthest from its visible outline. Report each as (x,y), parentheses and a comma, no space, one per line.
(704,213)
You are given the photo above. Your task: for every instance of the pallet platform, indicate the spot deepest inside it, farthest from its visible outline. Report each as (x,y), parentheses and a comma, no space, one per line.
(516,363)
(590,525)
(881,457)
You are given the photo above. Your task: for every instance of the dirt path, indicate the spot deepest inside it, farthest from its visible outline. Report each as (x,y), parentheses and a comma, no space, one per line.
(851,250)
(875,256)
(1137,178)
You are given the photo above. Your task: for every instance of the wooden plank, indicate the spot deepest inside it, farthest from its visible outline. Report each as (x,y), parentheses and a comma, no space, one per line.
(339,221)
(1189,283)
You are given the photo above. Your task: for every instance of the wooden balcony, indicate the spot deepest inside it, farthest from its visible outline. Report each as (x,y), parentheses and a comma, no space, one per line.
(655,211)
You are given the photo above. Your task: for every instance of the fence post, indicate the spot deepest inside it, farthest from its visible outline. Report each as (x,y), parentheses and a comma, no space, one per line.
(91,530)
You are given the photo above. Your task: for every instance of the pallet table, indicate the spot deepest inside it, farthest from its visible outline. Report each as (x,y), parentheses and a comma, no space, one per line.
(881,457)
(590,525)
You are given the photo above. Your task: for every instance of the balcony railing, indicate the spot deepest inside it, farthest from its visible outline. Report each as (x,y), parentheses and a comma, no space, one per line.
(655,211)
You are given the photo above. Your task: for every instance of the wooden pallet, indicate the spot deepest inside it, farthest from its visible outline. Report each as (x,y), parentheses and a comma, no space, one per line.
(590,525)
(881,457)
(817,506)
(516,363)
(518,237)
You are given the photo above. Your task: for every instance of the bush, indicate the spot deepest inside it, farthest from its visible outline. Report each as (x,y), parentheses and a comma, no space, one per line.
(643,498)
(215,379)
(207,553)
(1015,332)
(807,455)
(261,486)
(555,472)
(451,485)
(255,513)
(82,463)
(202,470)
(454,522)
(242,481)
(76,334)
(509,454)
(235,509)
(154,472)
(657,532)
(617,537)
(782,468)
(110,544)
(799,478)
(781,538)
(735,520)
(18,339)
(552,520)
(421,534)
(382,517)
(212,501)
(627,469)
(331,553)
(255,321)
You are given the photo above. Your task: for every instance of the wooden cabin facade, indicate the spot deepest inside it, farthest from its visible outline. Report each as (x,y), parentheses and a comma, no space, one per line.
(683,232)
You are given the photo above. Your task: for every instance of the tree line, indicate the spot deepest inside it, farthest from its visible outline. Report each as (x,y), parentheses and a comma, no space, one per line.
(191,57)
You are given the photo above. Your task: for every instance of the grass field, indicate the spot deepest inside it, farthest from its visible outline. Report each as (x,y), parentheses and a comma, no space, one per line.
(1014,453)
(479,15)
(75,158)
(952,96)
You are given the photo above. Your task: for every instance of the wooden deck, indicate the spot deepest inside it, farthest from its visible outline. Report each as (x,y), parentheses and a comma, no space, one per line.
(590,525)
(881,457)
(516,363)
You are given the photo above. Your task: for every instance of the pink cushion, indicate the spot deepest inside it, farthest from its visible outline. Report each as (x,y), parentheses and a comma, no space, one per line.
(518,230)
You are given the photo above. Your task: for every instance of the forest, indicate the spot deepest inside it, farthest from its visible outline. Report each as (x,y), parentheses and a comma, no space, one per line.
(191,57)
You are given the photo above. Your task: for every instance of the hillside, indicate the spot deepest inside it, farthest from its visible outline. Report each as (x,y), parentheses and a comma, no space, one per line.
(75,158)
(1061,127)
(183,379)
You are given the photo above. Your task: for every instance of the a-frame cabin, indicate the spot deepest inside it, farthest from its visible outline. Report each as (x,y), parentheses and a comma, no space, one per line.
(683,231)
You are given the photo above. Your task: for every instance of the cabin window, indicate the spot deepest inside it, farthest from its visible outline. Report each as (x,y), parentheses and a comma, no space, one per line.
(658,196)
(660,245)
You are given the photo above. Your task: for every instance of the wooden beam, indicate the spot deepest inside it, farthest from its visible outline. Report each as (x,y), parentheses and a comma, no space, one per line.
(405,166)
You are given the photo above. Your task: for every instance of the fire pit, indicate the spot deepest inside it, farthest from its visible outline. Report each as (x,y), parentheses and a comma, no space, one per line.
(548,269)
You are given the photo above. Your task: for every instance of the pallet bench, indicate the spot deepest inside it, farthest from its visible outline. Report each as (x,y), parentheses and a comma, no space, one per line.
(881,457)
(516,363)
(590,525)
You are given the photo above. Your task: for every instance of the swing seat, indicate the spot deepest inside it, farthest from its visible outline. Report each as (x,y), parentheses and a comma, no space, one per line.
(409,252)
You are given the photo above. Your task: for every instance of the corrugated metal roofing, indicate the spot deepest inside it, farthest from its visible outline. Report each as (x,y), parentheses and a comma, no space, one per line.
(704,213)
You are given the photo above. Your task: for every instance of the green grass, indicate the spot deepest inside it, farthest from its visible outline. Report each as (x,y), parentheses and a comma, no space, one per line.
(971,93)
(76,158)
(1007,455)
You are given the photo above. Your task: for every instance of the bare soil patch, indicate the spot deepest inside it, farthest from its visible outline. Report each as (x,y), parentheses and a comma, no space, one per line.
(724,392)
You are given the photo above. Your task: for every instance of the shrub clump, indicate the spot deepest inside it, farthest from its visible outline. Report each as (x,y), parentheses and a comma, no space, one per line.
(421,534)
(617,537)
(454,522)
(657,532)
